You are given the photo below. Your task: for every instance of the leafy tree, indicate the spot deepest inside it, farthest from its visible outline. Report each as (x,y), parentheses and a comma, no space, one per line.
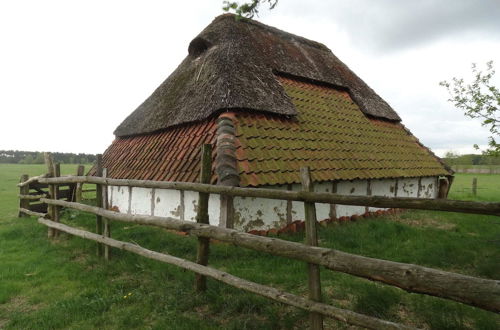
(35,157)
(247,9)
(452,158)
(39,159)
(479,99)
(451,154)
(27,160)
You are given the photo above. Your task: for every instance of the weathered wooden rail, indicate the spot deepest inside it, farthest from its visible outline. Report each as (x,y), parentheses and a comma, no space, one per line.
(31,190)
(30,194)
(301,196)
(482,293)
(263,290)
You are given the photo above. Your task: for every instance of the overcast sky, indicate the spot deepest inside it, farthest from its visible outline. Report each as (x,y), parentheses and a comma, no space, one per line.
(83,66)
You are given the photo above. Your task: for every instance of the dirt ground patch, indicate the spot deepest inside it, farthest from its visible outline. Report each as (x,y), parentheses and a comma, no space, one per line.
(426,222)
(18,304)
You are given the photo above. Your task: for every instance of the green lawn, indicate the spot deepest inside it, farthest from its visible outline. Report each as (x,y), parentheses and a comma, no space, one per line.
(61,284)
(10,175)
(488,187)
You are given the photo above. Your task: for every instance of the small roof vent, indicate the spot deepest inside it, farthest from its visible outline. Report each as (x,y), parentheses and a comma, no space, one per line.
(198,46)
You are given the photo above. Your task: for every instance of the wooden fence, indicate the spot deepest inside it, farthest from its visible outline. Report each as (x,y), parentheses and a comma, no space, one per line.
(482,293)
(31,190)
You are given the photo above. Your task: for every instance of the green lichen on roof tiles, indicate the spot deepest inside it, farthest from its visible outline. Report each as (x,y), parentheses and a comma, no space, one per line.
(332,136)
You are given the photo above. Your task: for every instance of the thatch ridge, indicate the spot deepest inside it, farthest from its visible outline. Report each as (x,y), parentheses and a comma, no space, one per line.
(230,66)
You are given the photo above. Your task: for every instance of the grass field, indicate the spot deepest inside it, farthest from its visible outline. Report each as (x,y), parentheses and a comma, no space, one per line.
(488,187)
(61,284)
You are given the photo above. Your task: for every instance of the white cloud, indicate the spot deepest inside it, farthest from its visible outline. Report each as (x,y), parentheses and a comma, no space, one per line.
(85,65)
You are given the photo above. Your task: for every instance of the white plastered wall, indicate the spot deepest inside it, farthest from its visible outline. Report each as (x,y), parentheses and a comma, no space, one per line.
(161,202)
(322,210)
(168,203)
(407,187)
(351,188)
(259,213)
(428,187)
(141,199)
(118,198)
(385,188)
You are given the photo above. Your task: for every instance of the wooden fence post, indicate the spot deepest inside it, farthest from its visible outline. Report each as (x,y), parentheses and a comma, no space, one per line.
(24,190)
(474,187)
(77,193)
(316,319)
(106,222)
(57,173)
(99,229)
(202,215)
(52,210)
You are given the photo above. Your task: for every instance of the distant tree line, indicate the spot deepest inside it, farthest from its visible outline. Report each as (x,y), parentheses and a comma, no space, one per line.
(452,158)
(36,157)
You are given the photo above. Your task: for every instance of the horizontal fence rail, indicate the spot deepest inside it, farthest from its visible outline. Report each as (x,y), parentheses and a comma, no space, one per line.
(483,293)
(32,179)
(32,197)
(32,213)
(262,290)
(303,196)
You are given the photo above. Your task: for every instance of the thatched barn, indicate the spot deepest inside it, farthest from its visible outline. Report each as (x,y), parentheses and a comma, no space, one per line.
(270,102)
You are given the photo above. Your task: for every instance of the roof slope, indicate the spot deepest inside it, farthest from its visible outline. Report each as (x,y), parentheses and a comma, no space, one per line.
(172,155)
(330,135)
(230,66)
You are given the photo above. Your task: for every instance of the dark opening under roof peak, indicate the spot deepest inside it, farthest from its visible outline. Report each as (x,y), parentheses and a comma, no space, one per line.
(231,64)
(198,46)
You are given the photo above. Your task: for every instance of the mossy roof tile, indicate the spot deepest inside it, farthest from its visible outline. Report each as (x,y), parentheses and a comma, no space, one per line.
(332,136)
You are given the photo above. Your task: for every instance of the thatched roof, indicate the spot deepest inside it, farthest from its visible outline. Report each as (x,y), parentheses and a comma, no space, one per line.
(232,64)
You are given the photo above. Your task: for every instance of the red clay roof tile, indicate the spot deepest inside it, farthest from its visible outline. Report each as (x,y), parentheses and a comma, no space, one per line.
(171,155)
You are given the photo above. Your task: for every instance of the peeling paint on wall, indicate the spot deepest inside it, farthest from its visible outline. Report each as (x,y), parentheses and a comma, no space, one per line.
(260,213)
(167,201)
(408,187)
(190,205)
(428,188)
(120,198)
